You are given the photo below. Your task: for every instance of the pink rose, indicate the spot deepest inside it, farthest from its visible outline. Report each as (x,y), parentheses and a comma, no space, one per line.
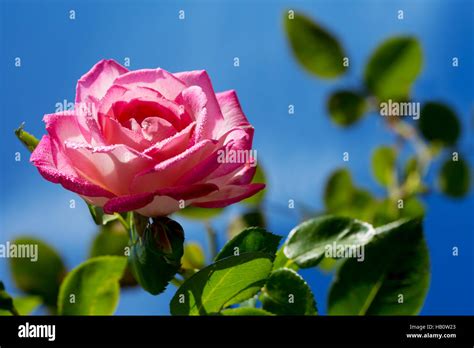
(149,141)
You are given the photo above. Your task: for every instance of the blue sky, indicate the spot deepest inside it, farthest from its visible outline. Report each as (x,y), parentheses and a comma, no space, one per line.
(297,151)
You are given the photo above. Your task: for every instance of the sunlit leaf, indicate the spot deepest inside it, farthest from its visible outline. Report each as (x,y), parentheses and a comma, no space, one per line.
(307,243)
(222,284)
(393,279)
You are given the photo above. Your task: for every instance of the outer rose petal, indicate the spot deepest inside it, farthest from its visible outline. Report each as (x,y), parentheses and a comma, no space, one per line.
(177,193)
(94,84)
(233,114)
(42,158)
(228,195)
(112,167)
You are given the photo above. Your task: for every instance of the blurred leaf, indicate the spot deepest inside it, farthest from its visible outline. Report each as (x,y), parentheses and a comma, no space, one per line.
(392,280)
(439,123)
(346,107)
(24,305)
(156,252)
(383,165)
(393,68)
(252,218)
(307,242)
(339,190)
(315,48)
(412,177)
(222,284)
(41,277)
(386,211)
(197,213)
(412,208)
(245,312)
(328,264)
(92,288)
(6,301)
(113,240)
(286,293)
(26,138)
(258,178)
(252,239)
(342,198)
(454,178)
(193,257)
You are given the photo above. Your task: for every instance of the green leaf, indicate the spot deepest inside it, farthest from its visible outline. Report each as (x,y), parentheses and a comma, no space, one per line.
(252,239)
(281,261)
(253,218)
(92,288)
(41,277)
(222,284)
(314,47)
(412,208)
(156,252)
(26,138)
(307,243)
(193,257)
(258,178)
(24,305)
(392,280)
(346,107)
(383,165)
(286,293)
(439,123)
(197,213)
(454,178)
(393,68)
(245,312)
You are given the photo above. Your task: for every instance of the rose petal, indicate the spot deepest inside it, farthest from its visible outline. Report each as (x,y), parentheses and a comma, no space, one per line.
(158,79)
(214,116)
(42,158)
(94,84)
(112,167)
(228,195)
(177,193)
(164,174)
